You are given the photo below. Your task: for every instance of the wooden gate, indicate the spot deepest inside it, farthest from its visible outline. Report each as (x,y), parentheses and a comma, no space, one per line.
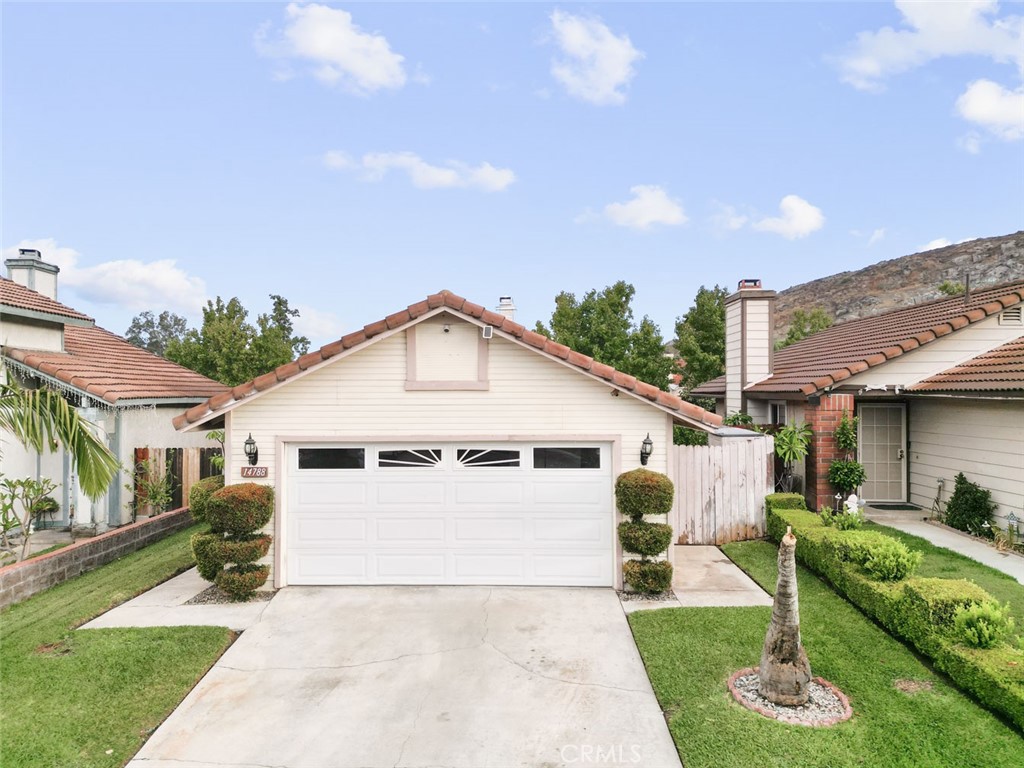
(720,489)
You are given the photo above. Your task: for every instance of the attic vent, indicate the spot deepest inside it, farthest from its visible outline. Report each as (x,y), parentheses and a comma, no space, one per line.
(1012,316)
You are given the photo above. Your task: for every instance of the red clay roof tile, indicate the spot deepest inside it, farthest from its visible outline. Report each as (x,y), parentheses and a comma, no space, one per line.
(376,328)
(310,359)
(1000,369)
(15,295)
(602,370)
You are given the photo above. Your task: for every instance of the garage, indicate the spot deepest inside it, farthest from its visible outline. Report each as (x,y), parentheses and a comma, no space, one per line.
(433,512)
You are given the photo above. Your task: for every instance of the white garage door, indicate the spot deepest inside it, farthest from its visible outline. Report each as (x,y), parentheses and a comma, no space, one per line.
(449,513)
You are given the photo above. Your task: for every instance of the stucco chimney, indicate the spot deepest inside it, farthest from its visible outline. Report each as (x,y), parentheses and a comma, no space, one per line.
(749,322)
(506,307)
(29,269)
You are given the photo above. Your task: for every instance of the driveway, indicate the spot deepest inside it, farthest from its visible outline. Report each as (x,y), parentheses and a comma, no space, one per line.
(460,677)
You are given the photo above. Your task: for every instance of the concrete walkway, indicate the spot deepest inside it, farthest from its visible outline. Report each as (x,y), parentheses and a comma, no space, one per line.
(912,522)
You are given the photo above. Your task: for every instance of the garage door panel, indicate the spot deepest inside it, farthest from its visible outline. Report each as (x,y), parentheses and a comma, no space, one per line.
(331,493)
(569,493)
(327,530)
(411,529)
(416,567)
(491,493)
(409,493)
(476,530)
(330,569)
(565,566)
(568,530)
(480,567)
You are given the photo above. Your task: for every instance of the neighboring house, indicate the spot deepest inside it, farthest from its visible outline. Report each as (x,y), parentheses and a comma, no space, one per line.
(938,388)
(445,444)
(129,393)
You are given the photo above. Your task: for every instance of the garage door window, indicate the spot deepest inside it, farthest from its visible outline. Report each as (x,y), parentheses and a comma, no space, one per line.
(487,457)
(566,458)
(332,458)
(410,457)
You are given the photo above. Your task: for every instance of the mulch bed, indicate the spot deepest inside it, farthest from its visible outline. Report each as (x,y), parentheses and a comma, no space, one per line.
(215,595)
(826,706)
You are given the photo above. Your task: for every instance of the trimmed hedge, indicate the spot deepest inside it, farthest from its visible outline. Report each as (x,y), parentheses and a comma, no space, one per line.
(240,509)
(240,581)
(648,576)
(200,493)
(642,492)
(919,611)
(647,539)
(206,551)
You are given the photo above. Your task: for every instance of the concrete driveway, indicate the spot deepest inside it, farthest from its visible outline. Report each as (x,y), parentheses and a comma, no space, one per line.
(460,677)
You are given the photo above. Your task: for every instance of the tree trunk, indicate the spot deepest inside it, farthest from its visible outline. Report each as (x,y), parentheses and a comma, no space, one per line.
(785,673)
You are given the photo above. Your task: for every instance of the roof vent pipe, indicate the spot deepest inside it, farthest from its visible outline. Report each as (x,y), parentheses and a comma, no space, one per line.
(967,288)
(506,307)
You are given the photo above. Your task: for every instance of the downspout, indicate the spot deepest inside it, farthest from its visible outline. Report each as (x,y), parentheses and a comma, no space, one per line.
(114,496)
(66,488)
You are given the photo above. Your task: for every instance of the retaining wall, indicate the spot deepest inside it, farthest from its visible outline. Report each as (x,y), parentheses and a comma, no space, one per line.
(22,580)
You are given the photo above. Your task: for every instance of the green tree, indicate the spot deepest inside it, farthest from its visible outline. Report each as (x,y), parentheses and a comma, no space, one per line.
(805,324)
(601,325)
(951,288)
(231,350)
(700,338)
(154,333)
(41,419)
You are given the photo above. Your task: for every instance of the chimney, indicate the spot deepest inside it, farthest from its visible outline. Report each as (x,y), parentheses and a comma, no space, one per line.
(29,269)
(506,307)
(749,322)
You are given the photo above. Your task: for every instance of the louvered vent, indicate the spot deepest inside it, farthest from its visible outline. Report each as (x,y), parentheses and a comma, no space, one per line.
(1012,316)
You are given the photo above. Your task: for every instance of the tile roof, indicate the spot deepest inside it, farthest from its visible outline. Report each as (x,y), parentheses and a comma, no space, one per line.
(837,353)
(999,369)
(13,294)
(456,304)
(109,368)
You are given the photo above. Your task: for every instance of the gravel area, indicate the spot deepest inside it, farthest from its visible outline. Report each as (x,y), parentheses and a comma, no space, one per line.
(827,704)
(215,594)
(627,596)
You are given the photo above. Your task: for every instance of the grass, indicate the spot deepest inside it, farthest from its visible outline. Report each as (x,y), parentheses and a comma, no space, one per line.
(691,652)
(92,697)
(943,563)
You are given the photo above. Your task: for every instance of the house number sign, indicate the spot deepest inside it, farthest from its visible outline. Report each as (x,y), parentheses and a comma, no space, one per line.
(254,471)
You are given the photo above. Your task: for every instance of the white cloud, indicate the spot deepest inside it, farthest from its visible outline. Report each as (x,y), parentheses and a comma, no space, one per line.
(971,143)
(597,65)
(798,219)
(127,283)
(650,205)
(376,165)
(993,107)
(933,30)
(877,236)
(727,218)
(339,52)
(940,242)
(320,327)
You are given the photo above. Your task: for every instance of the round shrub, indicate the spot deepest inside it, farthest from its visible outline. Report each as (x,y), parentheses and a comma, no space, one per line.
(206,551)
(200,493)
(891,561)
(983,625)
(647,576)
(641,492)
(240,581)
(645,539)
(846,476)
(240,509)
(243,549)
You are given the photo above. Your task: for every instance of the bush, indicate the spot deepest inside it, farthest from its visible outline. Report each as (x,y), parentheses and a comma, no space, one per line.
(845,475)
(643,492)
(243,549)
(200,493)
(785,501)
(983,625)
(970,507)
(931,604)
(646,576)
(891,561)
(206,550)
(240,581)
(645,539)
(853,546)
(240,509)
(842,521)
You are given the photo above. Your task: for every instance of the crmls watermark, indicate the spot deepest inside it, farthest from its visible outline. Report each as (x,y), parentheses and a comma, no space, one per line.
(600,754)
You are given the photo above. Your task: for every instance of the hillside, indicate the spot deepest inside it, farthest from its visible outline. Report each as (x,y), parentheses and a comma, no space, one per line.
(906,280)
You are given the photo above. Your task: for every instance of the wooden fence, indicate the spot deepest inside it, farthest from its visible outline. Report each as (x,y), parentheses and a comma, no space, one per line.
(720,489)
(184,465)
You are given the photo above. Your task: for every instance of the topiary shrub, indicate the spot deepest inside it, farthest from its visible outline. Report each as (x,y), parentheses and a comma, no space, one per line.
(983,625)
(970,508)
(240,581)
(642,492)
(646,539)
(647,576)
(206,551)
(200,493)
(889,561)
(846,475)
(240,509)
(243,549)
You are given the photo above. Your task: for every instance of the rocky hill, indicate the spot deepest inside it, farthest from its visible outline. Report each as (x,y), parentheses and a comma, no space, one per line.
(906,280)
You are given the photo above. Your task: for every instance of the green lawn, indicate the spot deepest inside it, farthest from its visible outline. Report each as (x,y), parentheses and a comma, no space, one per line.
(91,698)
(691,652)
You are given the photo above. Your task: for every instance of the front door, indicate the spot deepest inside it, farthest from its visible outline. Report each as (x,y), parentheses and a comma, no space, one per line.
(882,448)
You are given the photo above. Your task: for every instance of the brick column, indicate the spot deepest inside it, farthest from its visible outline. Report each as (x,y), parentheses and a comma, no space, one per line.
(823,419)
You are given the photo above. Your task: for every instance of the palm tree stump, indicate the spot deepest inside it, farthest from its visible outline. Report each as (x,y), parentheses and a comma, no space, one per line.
(785,672)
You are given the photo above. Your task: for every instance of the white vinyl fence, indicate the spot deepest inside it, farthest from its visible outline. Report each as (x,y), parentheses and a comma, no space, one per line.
(720,489)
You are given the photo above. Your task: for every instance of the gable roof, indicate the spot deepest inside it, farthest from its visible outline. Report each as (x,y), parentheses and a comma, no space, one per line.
(448,301)
(17,296)
(999,369)
(837,353)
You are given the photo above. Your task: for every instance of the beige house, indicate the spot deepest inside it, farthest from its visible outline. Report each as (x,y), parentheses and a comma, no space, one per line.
(938,388)
(445,444)
(128,393)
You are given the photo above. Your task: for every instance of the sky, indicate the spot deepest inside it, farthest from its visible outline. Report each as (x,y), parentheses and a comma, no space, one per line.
(357,157)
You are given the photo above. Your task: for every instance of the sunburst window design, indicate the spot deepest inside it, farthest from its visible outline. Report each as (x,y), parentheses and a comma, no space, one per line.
(487,457)
(410,457)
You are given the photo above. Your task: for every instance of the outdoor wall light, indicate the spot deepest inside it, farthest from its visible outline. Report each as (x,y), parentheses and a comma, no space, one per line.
(251,450)
(646,449)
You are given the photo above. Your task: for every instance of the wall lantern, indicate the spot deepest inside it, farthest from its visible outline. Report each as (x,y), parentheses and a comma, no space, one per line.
(251,450)
(646,449)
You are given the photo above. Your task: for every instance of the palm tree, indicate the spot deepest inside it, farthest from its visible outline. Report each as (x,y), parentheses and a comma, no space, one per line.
(42,419)
(785,672)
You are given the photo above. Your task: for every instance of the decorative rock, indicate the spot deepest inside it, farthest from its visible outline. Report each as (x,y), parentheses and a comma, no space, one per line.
(826,705)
